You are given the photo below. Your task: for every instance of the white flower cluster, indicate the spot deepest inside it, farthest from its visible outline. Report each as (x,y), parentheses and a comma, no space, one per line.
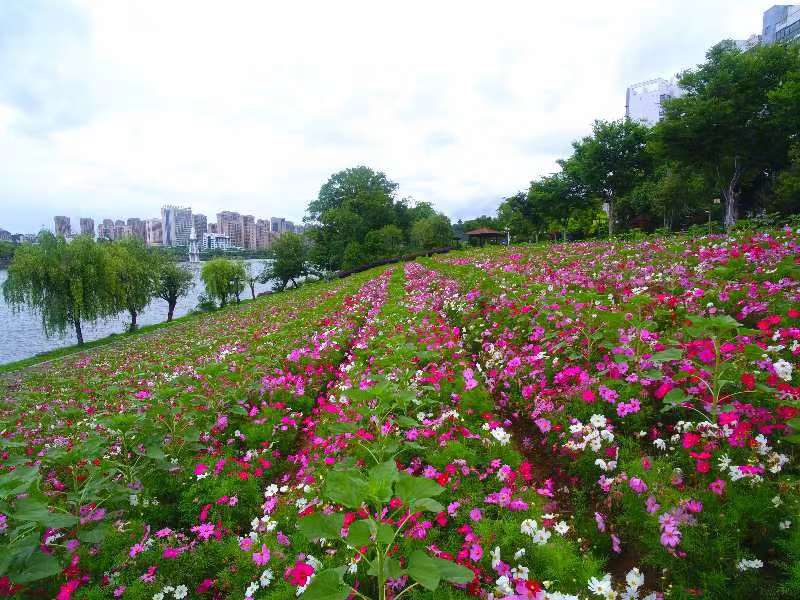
(262,582)
(498,433)
(748,564)
(537,534)
(178,592)
(634,580)
(783,369)
(593,434)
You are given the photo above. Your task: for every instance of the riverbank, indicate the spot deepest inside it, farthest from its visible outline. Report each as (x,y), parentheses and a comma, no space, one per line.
(58,353)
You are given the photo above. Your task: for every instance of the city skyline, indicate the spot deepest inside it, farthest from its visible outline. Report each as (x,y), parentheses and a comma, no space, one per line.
(93,122)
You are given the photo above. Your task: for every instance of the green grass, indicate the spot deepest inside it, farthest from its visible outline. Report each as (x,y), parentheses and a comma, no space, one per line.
(110,339)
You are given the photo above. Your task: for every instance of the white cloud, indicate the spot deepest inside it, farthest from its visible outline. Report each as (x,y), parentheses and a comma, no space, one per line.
(252,105)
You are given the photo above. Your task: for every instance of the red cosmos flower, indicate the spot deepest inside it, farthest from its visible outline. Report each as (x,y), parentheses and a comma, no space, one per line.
(690,439)
(299,573)
(794,313)
(748,381)
(443,479)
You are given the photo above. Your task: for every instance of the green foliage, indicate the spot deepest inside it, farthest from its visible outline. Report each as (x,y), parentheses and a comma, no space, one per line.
(290,253)
(172,282)
(67,283)
(223,279)
(432,232)
(133,276)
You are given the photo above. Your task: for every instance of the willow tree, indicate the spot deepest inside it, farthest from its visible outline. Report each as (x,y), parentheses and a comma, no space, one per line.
(223,279)
(133,276)
(66,283)
(173,281)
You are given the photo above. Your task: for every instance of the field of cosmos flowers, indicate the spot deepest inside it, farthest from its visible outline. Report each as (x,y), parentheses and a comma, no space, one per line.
(586,420)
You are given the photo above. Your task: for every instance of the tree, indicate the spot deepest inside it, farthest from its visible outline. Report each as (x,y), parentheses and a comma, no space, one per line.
(523,219)
(432,232)
(736,120)
(133,276)
(66,282)
(290,254)
(350,204)
(610,163)
(557,199)
(385,242)
(173,281)
(787,198)
(223,279)
(252,278)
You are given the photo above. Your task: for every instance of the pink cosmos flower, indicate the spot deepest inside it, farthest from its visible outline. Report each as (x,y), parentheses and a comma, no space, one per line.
(717,486)
(475,514)
(204,530)
(475,552)
(261,558)
(299,573)
(162,533)
(136,549)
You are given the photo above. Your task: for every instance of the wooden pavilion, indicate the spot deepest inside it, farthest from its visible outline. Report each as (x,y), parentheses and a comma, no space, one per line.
(484,234)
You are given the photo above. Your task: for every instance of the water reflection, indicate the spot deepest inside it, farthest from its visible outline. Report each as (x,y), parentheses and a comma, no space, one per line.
(21,333)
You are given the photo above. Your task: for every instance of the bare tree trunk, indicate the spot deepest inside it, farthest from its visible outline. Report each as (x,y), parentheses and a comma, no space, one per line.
(133,326)
(78,331)
(729,193)
(253,290)
(171,308)
(610,217)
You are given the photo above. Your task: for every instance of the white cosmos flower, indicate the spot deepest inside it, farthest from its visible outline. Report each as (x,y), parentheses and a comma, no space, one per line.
(600,587)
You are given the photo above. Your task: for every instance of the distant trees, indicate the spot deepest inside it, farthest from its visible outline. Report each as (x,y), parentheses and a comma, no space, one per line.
(431,232)
(290,256)
(733,135)
(67,283)
(223,279)
(133,276)
(737,120)
(173,281)
(356,219)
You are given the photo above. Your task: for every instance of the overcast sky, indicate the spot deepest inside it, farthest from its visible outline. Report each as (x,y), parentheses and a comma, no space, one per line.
(112,108)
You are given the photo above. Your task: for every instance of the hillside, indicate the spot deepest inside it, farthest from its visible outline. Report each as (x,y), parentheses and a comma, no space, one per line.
(551,421)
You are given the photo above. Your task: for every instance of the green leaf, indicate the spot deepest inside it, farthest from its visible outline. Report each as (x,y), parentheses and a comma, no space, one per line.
(39,566)
(359,532)
(427,504)
(28,509)
(653,374)
(410,488)
(316,525)
(794,423)
(381,478)
(407,421)
(17,481)
(327,585)
(347,488)
(423,568)
(675,396)
(385,533)
(668,354)
(93,536)
(337,428)
(453,572)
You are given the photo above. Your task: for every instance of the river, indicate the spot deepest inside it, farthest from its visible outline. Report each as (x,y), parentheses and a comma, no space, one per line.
(21,333)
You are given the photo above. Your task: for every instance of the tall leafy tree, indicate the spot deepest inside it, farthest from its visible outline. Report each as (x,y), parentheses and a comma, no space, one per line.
(610,163)
(67,283)
(290,256)
(737,118)
(173,282)
(133,276)
(557,199)
(223,279)
(432,232)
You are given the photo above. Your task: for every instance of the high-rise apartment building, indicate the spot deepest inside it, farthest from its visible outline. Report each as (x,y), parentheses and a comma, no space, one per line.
(176,224)
(781,23)
(263,234)
(105,230)
(212,228)
(137,228)
(87,226)
(63,226)
(200,224)
(5,236)
(231,224)
(214,241)
(120,229)
(154,235)
(644,102)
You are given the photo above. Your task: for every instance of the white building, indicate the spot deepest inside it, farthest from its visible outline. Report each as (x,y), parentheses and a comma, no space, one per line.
(644,102)
(176,225)
(215,241)
(781,23)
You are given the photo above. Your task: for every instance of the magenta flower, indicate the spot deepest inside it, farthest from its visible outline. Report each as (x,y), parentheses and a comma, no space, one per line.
(262,557)
(475,552)
(204,530)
